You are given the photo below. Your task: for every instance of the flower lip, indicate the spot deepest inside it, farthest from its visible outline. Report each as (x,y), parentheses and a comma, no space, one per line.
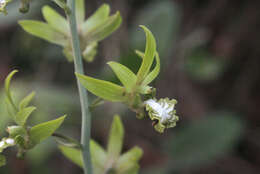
(162,112)
(2,143)
(10,141)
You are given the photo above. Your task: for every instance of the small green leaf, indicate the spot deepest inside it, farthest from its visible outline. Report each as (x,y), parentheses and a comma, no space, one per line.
(129,160)
(22,115)
(90,52)
(67,51)
(55,20)
(115,140)
(124,74)
(139,54)
(103,89)
(10,109)
(73,154)
(104,29)
(80,11)
(154,73)
(100,15)
(7,89)
(26,101)
(44,31)
(149,54)
(99,156)
(2,160)
(42,131)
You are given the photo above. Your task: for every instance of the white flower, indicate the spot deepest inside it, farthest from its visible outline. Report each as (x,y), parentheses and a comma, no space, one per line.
(162,112)
(10,141)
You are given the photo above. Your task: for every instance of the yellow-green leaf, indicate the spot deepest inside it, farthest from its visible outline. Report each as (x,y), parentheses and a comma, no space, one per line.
(154,73)
(7,88)
(103,89)
(100,15)
(73,154)
(55,20)
(115,141)
(23,115)
(26,101)
(124,74)
(43,31)
(149,54)
(42,131)
(104,29)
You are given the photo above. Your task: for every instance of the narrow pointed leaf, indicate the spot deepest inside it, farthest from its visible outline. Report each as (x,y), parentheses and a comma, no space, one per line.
(149,54)
(73,154)
(154,73)
(55,20)
(7,89)
(129,159)
(43,31)
(23,115)
(124,74)
(98,154)
(104,29)
(103,89)
(80,11)
(140,54)
(100,15)
(42,131)
(10,109)
(115,141)
(26,101)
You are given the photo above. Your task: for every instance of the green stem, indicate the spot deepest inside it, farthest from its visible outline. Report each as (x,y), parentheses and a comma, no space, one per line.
(86,115)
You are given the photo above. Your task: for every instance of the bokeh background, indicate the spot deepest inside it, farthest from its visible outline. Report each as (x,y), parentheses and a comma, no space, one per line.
(210,64)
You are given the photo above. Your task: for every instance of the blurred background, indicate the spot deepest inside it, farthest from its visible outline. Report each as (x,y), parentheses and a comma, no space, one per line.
(210,63)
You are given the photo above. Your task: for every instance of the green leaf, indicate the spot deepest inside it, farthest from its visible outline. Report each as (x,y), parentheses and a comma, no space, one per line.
(80,11)
(73,154)
(115,140)
(26,101)
(55,20)
(104,29)
(100,15)
(99,156)
(42,131)
(22,115)
(129,160)
(140,54)
(124,74)
(10,109)
(7,89)
(2,160)
(154,73)
(90,52)
(44,31)
(149,54)
(103,89)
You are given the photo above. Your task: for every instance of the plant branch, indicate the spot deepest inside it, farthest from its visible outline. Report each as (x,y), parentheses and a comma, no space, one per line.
(86,115)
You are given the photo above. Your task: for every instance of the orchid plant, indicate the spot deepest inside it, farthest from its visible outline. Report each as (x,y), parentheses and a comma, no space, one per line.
(79,39)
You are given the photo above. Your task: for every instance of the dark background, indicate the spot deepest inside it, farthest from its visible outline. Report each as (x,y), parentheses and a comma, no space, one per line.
(210,63)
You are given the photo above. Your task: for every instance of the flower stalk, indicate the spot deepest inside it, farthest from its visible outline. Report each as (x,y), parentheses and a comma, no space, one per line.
(78,64)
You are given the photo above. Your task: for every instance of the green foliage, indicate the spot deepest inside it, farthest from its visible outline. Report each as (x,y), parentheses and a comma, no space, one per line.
(2,160)
(101,88)
(110,160)
(3,5)
(21,135)
(56,29)
(40,132)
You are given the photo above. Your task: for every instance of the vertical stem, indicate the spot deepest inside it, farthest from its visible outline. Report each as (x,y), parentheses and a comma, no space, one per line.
(86,115)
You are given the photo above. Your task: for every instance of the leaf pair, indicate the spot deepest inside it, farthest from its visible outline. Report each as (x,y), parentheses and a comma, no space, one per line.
(110,160)
(96,28)
(132,83)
